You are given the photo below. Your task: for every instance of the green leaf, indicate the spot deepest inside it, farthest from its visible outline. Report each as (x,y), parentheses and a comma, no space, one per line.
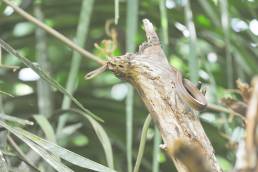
(52,160)
(142,143)
(15,119)
(80,140)
(68,130)
(54,149)
(102,135)
(46,127)
(203,20)
(46,77)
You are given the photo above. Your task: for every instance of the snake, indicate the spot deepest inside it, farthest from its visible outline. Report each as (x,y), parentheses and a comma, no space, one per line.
(185,89)
(189,94)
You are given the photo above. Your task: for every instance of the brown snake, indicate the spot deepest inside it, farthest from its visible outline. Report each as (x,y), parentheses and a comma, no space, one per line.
(187,91)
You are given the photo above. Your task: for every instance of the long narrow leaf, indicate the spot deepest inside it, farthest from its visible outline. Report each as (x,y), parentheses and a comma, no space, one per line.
(46,127)
(44,76)
(57,150)
(52,160)
(101,134)
(103,137)
(142,143)
(15,119)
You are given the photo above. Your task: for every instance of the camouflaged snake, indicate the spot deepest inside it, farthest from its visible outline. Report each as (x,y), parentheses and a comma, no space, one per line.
(188,93)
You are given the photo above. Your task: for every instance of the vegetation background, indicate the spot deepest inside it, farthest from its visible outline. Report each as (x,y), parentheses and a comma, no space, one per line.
(212,41)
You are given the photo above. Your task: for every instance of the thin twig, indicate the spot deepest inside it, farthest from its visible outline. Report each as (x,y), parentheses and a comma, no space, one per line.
(45,76)
(6,66)
(54,33)
(5,93)
(218,108)
(20,153)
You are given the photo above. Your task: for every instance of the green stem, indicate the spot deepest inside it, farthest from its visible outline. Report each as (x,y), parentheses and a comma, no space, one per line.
(142,143)
(132,20)
(45,103)
(225,26)
(192,59)
(129,126)
(164,24)
(81,35)
(116,11)
(156,151)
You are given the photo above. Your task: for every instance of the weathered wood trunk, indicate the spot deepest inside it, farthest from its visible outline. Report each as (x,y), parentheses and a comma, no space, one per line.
(154,79)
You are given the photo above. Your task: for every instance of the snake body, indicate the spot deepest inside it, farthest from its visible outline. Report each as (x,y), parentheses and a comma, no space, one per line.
(188,93)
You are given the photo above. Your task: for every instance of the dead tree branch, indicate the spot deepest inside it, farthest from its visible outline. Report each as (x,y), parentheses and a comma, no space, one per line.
(152,76)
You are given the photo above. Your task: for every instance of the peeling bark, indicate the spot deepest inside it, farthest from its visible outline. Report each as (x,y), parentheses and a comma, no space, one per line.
(154,79)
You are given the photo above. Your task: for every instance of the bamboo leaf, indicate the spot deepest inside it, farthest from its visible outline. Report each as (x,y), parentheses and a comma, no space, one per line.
(40,146)
(52,160)
(15,119)
(101,134)
(142,143)
(70,129)
(46,127)
(47,78)
(103,137)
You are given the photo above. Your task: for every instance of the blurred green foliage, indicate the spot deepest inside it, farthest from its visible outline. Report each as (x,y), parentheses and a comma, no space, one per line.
(105,94)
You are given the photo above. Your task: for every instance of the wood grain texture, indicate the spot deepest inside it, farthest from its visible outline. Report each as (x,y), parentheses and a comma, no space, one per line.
(154,78)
